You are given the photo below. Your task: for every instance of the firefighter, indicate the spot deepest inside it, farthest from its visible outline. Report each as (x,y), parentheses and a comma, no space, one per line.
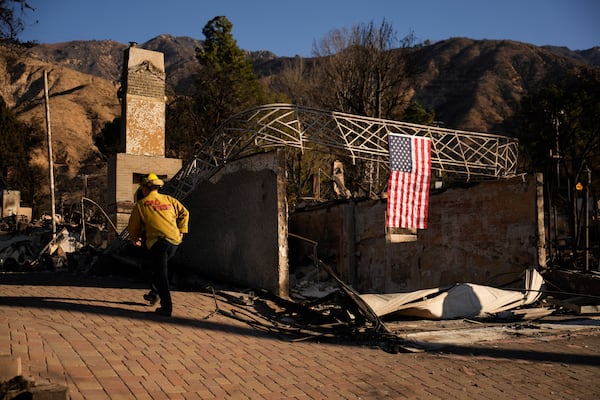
(162,220)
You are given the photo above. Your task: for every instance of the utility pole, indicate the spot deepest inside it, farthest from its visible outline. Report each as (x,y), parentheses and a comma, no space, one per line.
(557,154)
(587,217)
(50,162)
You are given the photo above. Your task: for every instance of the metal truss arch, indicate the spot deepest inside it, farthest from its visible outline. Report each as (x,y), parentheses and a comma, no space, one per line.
(470,155)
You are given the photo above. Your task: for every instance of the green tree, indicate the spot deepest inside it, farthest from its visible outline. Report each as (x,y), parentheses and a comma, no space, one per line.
(416,114)
(108,140)
(224,85)
(226,82)
(184,127)
(15,140)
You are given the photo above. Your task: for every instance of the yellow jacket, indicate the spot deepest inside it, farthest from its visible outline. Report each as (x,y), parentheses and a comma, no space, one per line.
(158,216)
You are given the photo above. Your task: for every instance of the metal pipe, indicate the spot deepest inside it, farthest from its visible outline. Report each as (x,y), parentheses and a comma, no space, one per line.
(102,211)
(587,218)
(83,235)
(50,161)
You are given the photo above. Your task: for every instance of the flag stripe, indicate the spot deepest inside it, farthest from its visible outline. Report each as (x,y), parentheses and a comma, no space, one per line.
(408,185)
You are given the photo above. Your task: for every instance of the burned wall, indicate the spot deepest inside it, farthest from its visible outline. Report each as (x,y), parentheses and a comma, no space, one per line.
(238,225)
(485,233)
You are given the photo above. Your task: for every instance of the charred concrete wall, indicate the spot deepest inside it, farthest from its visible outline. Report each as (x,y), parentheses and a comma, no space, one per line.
(485,234)
(238,226)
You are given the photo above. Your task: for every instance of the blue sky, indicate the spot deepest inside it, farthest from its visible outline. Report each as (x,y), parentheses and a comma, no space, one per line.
(291,28)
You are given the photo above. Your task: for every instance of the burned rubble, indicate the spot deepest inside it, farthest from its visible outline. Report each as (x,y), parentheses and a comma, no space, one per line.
(320,307)
(41,245)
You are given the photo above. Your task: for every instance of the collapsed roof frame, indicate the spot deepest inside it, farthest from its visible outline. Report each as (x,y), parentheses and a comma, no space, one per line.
(463,153)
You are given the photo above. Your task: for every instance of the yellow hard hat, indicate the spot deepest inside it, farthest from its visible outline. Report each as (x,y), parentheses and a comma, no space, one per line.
(152,180)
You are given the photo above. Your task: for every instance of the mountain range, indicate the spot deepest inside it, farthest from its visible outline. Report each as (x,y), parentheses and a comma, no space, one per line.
(474,85)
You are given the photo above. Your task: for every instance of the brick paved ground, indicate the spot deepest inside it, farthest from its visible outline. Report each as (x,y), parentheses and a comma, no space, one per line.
(97,336)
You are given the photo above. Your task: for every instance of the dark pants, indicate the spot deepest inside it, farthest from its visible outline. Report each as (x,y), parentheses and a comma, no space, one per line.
(160,253)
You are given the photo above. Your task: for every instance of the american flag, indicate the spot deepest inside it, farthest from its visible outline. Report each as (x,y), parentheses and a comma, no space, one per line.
(408,186)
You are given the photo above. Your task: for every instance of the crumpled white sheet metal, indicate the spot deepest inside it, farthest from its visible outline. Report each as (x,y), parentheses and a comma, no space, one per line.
(464,300)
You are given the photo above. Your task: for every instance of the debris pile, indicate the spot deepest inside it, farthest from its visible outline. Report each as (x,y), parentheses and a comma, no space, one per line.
(42,244)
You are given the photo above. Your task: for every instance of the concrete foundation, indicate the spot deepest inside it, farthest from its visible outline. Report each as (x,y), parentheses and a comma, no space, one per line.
(485,234)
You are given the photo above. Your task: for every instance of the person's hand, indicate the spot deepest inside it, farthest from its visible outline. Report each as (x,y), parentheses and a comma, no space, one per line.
(138,243)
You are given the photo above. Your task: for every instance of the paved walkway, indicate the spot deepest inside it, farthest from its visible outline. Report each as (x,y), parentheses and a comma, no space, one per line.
(96,336)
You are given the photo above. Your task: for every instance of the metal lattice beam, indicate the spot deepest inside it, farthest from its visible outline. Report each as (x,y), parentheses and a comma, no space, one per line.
(463,153)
